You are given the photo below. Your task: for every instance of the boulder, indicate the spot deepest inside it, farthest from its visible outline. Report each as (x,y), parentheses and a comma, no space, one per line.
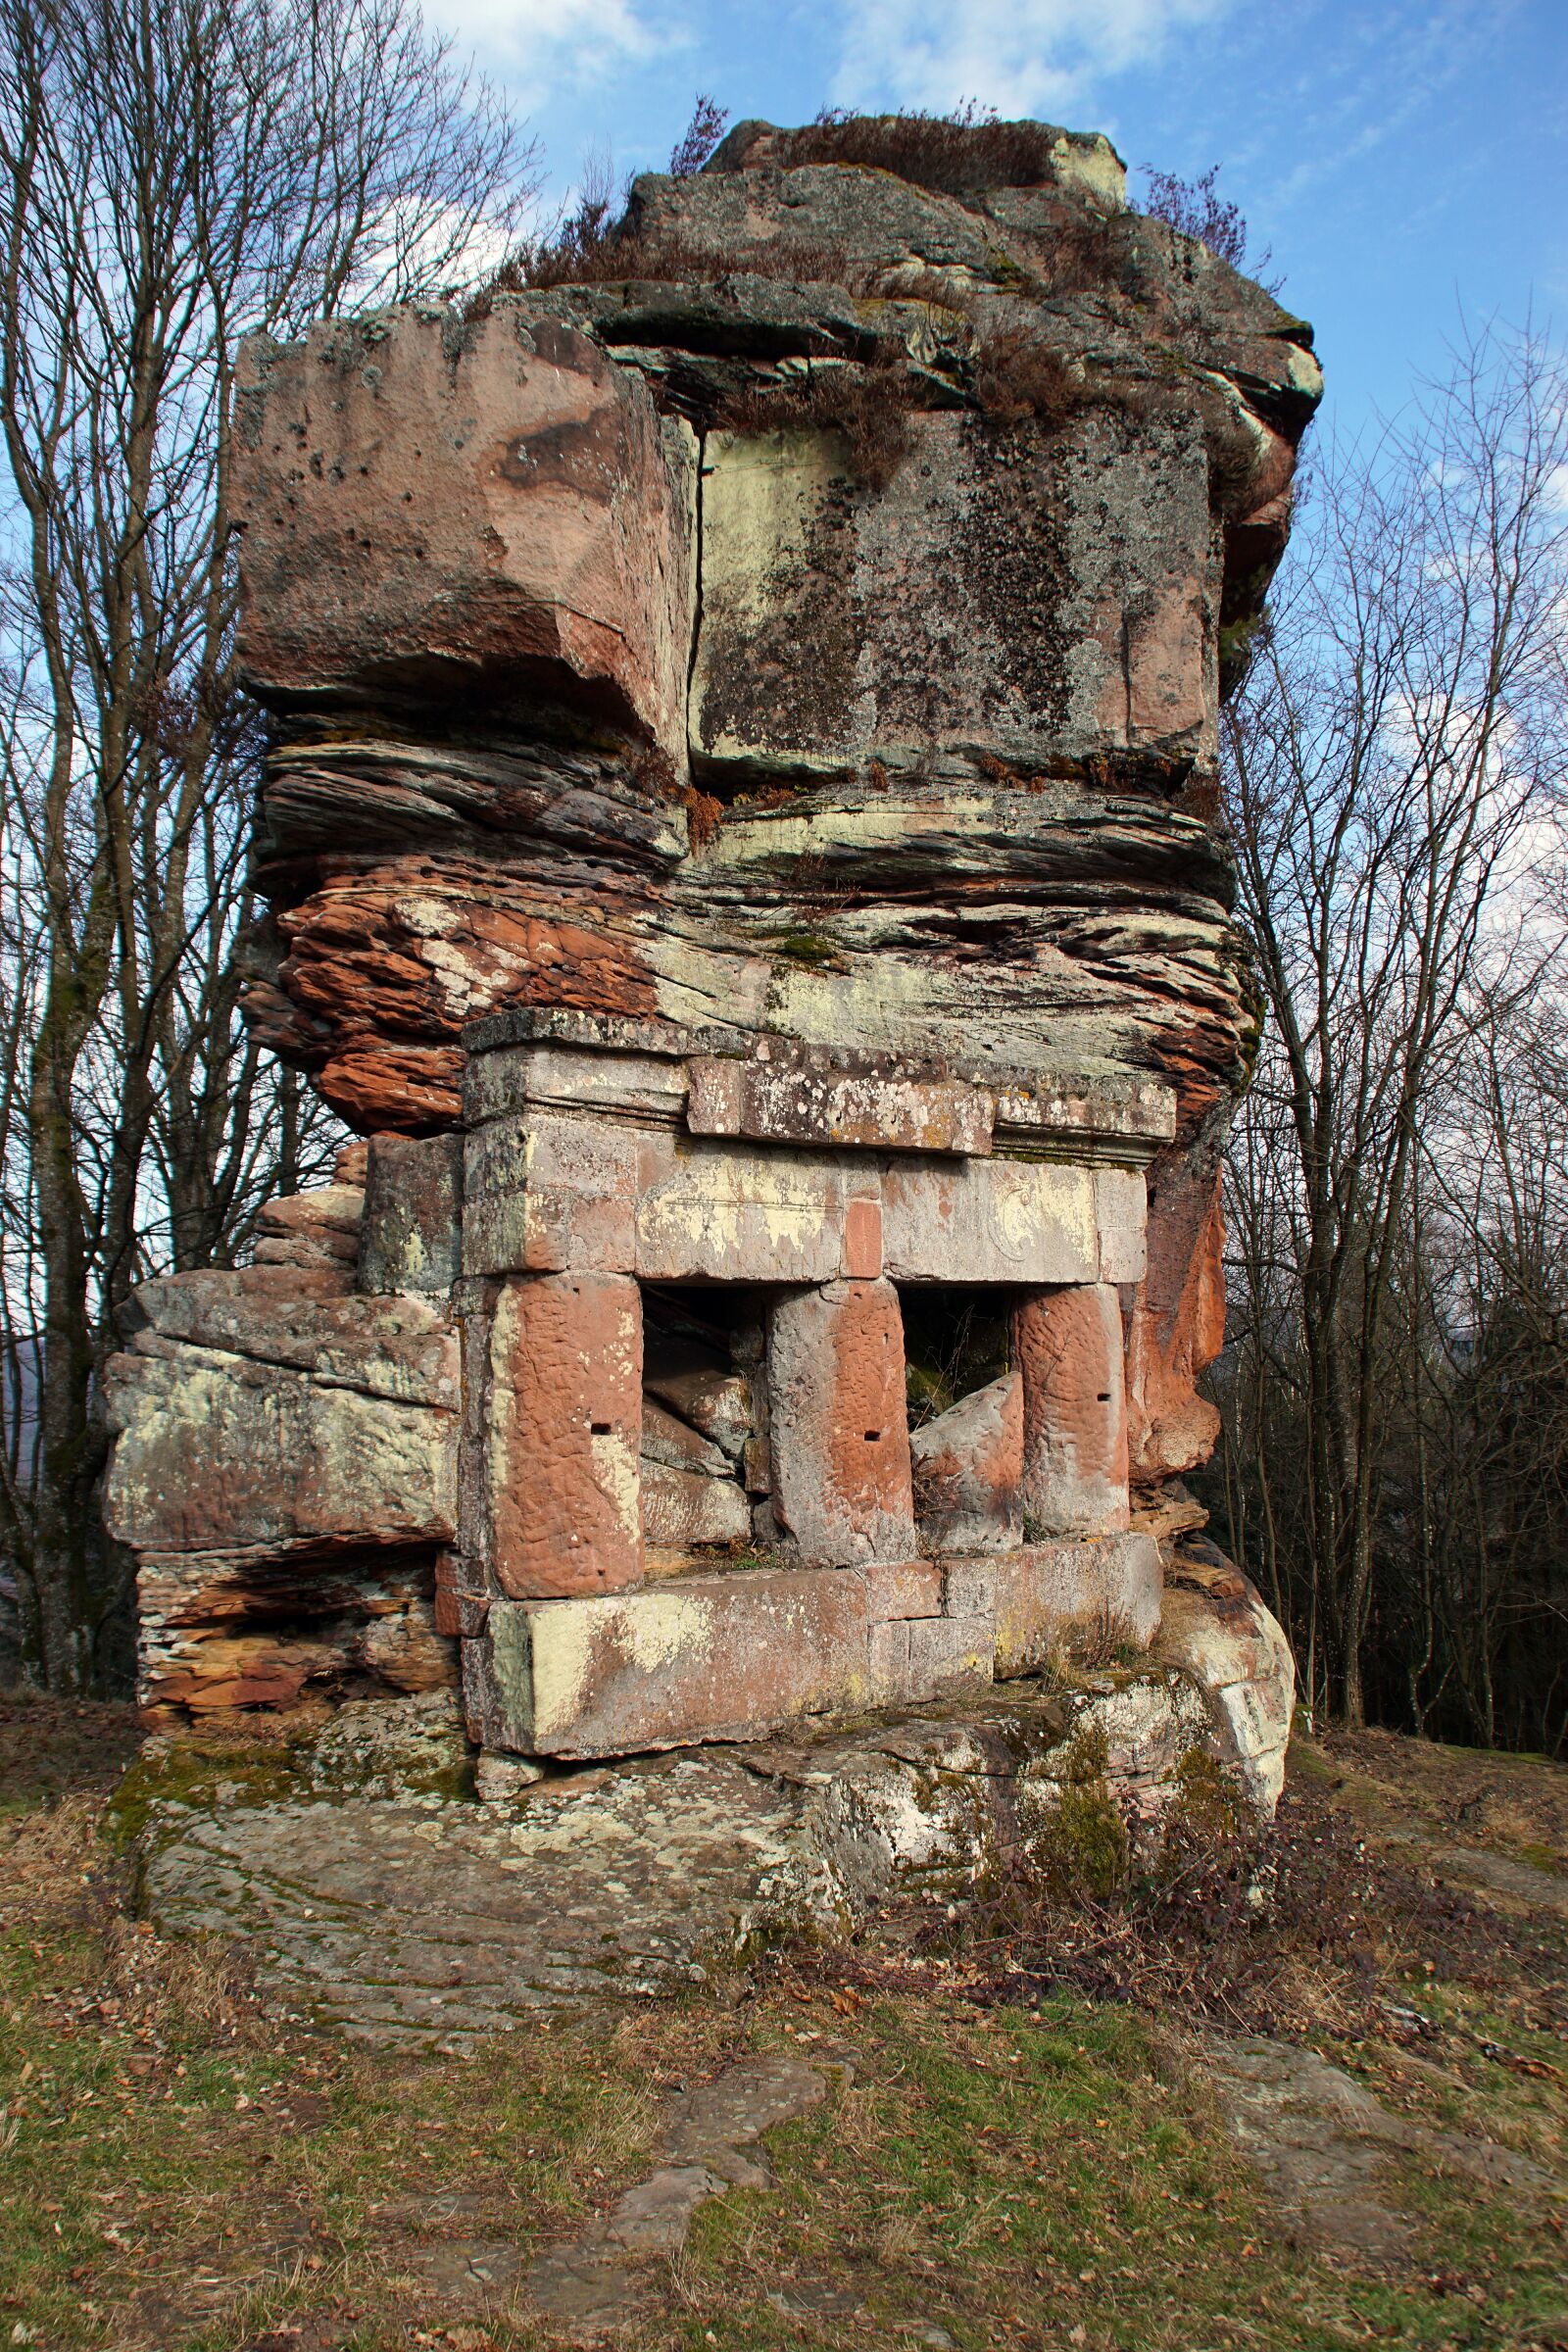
(968,1465)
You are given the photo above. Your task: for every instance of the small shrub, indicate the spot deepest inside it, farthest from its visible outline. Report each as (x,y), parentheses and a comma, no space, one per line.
(700,137)
(1195,208)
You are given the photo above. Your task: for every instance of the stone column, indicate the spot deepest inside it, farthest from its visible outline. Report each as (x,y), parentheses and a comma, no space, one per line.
(564,1499)
(1067,1344)
(838,1427)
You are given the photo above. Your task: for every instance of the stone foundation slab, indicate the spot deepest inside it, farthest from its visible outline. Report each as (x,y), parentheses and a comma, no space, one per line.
(725,1655)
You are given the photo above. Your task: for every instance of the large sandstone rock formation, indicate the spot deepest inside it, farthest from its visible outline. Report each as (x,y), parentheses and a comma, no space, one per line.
(742,839)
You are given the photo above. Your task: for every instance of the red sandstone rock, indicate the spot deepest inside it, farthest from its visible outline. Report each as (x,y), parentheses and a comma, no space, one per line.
(968,1468)
(698,1385)
(908,986)
(682,1508)
(495,505)
(565,1427)
(839,1425)
(1177,1322)
(1068,1345)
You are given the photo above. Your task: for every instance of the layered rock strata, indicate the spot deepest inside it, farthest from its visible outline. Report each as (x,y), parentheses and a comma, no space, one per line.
(741,834)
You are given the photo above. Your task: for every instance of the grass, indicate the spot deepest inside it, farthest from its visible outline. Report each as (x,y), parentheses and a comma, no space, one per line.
(1017,2163)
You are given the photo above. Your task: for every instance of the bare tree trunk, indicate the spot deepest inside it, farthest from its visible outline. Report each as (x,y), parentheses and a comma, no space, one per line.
(168,178)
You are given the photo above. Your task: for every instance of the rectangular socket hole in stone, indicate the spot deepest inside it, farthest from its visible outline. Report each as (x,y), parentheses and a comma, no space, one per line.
(599,1429)
(873,1436)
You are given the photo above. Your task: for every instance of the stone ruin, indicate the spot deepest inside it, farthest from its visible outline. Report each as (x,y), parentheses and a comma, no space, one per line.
(743,844)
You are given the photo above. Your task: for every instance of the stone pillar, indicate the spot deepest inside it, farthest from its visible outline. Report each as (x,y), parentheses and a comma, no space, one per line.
(564,1503)
(838,1427)
(1067,1344)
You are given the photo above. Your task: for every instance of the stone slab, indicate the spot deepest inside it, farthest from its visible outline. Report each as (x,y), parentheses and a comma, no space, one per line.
(1068,1347)
(1042,1595)
(564,1435)
(546,1194)
(990,1220)
(1065,1110)
(410,1236)
(217,1452)
(305,1321)
(720,1655)
(1121,1214)
(838,1424)
(797,1102)
(699,1387)
(686,1507)
(717,1212)
(706,1657)
(546,1074)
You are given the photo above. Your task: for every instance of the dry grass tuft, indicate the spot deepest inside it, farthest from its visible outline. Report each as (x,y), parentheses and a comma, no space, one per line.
(1017,376)
(958,154)
(616,256)
(702,814)
(869,406)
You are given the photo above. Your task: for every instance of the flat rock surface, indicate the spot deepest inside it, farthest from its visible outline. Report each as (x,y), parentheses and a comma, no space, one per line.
(1323,2144)
(383,1898)
(452,1919)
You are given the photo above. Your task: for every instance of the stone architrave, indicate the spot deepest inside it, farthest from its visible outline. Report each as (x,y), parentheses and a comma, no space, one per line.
(565,1432)
(839,1425)
(1068,1346)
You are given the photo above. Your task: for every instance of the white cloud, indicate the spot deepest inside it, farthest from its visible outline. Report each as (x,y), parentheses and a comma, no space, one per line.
(575,39)
(1023,57)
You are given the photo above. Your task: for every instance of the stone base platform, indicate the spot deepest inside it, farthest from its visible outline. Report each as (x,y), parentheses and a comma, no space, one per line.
(746,1652)
(380,1895)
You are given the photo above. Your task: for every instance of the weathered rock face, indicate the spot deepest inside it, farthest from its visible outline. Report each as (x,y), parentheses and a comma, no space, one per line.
(286,1472)
(741,837)
(382,1897)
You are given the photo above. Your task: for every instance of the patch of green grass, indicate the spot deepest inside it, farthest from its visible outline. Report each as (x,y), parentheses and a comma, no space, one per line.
(182,2169)
(1054,2178)
(185,2170)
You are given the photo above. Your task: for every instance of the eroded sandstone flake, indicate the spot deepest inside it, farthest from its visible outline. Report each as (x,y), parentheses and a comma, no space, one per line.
(741,839)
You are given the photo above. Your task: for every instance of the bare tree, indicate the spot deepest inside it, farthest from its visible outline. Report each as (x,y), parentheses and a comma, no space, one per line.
(170,176)
(1395,761)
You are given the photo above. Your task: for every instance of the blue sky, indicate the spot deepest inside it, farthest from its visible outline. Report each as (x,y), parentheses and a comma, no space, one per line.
(1400,159)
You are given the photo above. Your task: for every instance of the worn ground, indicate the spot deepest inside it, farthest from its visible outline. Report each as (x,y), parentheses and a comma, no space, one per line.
(1305,2093)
